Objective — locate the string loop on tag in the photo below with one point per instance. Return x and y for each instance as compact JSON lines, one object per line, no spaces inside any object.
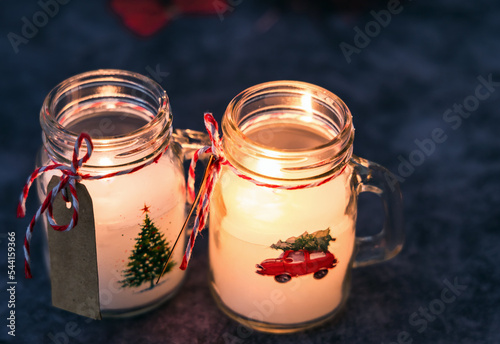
{"x":70,"y":175}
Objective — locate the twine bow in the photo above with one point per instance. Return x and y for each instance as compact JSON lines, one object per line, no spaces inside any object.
{"x":69,"y":177}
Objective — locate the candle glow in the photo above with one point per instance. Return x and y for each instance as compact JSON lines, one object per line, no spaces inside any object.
{"x":246,"y":219}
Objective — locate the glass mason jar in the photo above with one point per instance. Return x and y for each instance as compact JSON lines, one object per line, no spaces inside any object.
{"x":280,"y":258}
{"x":129,"y":119}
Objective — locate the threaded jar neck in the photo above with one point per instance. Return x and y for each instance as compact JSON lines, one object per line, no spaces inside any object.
{"x":127,"y":115}
{"x":288,"y":130}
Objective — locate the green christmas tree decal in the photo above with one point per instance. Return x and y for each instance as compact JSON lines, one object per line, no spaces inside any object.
{"x":150,"y":253}
{"x":317,"y":241}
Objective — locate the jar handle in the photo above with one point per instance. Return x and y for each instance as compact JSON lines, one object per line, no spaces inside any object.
{"x":371,"y":177}
{"x":190,"y":141}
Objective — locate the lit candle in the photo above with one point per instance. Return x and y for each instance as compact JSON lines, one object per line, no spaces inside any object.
{"x":247,"y":219}
{"x":139,"y":211}
{"x":282,"y":216}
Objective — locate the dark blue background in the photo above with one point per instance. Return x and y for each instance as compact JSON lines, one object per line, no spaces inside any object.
{"x":398,"y":88}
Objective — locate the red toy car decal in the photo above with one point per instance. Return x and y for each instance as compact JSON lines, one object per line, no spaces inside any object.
{"x":303,"y":255}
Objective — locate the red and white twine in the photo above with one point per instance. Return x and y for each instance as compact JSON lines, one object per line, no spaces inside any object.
{"x":213,"y":174}
{"x":70,"y":175}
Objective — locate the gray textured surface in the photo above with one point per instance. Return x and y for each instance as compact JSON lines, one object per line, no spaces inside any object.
{"x":398,"y":88}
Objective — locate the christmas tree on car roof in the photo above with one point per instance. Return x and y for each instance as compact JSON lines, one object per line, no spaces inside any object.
{"x":317,"y":241}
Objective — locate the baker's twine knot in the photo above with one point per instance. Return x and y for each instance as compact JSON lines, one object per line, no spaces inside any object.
{"x":212,"y":175}
{"x":70,"y":175}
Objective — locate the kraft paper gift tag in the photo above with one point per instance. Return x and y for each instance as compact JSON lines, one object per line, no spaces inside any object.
{"x":73,"y":257}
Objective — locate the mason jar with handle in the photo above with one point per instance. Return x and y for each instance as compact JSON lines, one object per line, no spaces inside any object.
{"x":283,"y":213}
{"x":134,"y":177}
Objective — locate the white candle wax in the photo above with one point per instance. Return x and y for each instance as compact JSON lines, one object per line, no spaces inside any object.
{"x":119,"y":218}
{"x":137,"y":215}
{"x":247,"y":219}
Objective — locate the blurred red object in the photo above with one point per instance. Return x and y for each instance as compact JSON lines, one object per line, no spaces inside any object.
{"x":146,"y":17}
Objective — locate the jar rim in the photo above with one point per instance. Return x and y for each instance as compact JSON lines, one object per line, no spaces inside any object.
{"x":332,"y":154}
{"x":154,"y":134}
{"x":289,"y":86}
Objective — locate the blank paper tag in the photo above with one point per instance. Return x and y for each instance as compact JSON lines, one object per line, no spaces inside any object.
{"x":73,"y":257}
